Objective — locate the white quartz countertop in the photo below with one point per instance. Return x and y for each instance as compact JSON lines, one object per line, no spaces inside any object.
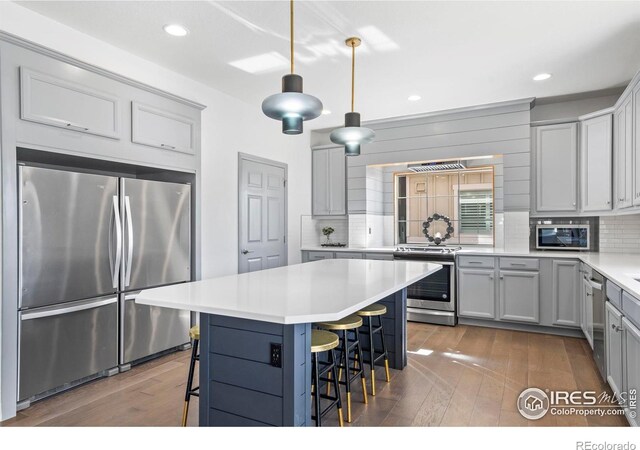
{"x":621,"y":268}
{"x":300,"y":293}
{"x":389,"y":249}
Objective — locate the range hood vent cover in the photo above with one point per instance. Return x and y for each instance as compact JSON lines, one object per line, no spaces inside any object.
{"x":434,"y":167}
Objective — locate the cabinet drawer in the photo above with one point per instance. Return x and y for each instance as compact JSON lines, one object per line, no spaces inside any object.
{"x":159,"y":128}
{"x":476,"y":261}
{"x":348,"y":255}
{"x":614,"y":294}
{"x":631,"y":308}
{"x":315,"y":256}
{"x":65,"y":104}
{"x":380,"y":256}
{"x":520,"y":263}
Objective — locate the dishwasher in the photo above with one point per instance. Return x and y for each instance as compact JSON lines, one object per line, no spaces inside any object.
{"x":596,"y":281}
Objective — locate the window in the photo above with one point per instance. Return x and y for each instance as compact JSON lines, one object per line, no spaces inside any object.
{"x":463,"y":194}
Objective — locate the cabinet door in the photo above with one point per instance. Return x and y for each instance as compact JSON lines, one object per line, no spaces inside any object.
{"x":476,"y":293}
{"x":556,"y":167}
{"x":631,"y":367}
{"x":320,"y":182}
{"x":595,"y":163}
{"x":159,"y":128}
{"x":623,"y":151}
{"x":349,"y":255}
{"x":614,"y":349}
{"x":566,"y":290}
{"x":337,"y":182}
{"x":317,"y":256}
{"x":587,"y":304}
{"x":520,"y":296}
{"x":69,"y":105}
{"x":636,"y":145}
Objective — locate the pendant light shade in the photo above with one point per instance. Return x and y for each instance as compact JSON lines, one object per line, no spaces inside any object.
{"x":352,"y":135}
{"x":291,"y":106}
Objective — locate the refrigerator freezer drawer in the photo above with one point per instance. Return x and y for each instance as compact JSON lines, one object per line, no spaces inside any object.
{"x":60,"y":345}
{"x":148,"y":330}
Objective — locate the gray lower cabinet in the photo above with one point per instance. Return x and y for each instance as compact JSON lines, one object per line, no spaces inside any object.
{"x":595,"y":163}
{"x":623,"y":153}
{"x":614,"y":347}
{"x":329,"y":182}
{"x":566,"y":290}
{"x":519,"y":297}
{"x":631,"y":366}
{"x":556,"y":165}
{"x":587,"y":305}
{"x":65,"y":103}
{"x":476,"y":293}
{"x":349,"y":255}
{"x":162,"y":128}
{"x":317,"y":256}
{"x":310,"y":255}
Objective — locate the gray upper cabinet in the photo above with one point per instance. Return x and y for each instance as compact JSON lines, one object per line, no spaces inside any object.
{"x":566,"y":293}
{"x":520,"y":296}
{"x":476,"y":293}
{"x":161,"y":128}
{"x":329,"y":182}
{"x":623,"y":153}
{"x":595,"y":163}
{"x":556,"y":162}
{"x":66,"y":104}
{"x":636,"y":145}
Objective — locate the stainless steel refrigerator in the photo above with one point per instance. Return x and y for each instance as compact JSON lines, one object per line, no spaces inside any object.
{"x":88,"y":243}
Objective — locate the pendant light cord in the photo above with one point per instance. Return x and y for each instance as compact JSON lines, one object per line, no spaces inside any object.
{"x":353,"y":71}
{"x":291,"y":18}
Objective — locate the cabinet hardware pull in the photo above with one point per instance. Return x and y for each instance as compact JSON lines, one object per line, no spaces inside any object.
{"x":79,"y":127}
{"x":475,"y":262}
{"x":168,"y":146}
{"x":518,"y":264}
{"x":616,"y":327}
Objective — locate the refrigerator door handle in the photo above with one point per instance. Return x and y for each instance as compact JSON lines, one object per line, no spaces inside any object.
{"x":129,"y":223}
{"x":131,"y":295}
{"x":28,"y":315}
{"x":118,"y":258}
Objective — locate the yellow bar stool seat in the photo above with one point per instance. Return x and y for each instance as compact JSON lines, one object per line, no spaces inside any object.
{"x":352,"y":366}
{"x":324,"y":341}
{"x":194,"y":334}
{"x":368,"y":313}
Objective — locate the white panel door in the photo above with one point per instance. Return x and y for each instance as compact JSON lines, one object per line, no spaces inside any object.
{"x":262,"y":216}
{"x":595,"y":163}
{"x":556,"y":167}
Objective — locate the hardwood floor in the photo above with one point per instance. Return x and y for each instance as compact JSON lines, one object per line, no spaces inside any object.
{"x":460,"y":376}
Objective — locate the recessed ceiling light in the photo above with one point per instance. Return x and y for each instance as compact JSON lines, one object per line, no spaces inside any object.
{"x":414,"y":98}
{"x":542,"y":77}
{"x":325,"y":112}
{"x":175,"y":30}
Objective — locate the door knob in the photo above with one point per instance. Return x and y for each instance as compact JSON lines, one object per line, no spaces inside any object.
{"x":245,"y":251}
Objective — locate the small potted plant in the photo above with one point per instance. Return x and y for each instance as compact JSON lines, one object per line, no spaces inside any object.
{"x":327,"y":231}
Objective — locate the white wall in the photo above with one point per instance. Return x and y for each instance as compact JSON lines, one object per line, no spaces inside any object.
{"x":229,"y":126}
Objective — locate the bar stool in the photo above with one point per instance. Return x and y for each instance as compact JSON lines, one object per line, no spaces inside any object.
{"x":347,"y":347}
{"x":194,"y":334}
{"x":368,"y":313}
{"x":324,"y":341}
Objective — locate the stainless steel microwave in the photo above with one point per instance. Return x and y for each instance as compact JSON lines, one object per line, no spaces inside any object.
{"x":563,"y":237}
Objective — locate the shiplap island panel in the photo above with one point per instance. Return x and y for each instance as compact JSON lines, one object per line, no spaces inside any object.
{"x":242,"y":318}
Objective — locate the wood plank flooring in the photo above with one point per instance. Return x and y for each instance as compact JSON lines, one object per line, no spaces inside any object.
{"x":457,"y":376}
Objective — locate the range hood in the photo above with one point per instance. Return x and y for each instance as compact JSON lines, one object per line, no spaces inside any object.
{"x":436,"y":166}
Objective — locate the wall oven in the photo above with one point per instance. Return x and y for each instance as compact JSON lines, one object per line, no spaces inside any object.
{"x":432,"y":299}
{"x":563,"y":237}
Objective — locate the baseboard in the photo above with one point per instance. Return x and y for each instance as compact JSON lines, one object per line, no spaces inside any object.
{"x":569,"y":332}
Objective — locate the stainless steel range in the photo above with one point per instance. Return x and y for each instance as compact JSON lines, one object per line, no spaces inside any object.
{"x":432,"y":299}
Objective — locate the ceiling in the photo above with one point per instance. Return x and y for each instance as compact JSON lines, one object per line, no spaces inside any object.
{"x":452,"y":54}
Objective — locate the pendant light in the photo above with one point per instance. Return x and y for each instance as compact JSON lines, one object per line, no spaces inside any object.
{"x":352,"y":135}
{"x":292,"y":106}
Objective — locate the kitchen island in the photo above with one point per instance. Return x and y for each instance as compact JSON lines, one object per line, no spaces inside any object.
{"x":255,"y":331}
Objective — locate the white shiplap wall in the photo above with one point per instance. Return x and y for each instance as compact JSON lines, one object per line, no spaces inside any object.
{"x":620,"y":234}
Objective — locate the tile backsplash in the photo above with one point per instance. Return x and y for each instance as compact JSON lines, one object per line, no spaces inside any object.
{"x":311,"y":230}
{"x":620,"y":234}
